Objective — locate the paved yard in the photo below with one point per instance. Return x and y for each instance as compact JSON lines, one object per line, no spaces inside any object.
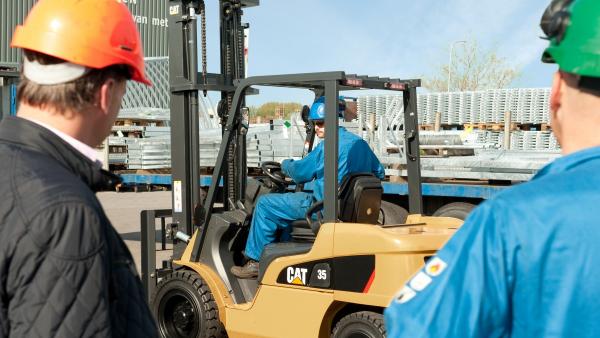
{"x":123,"y":210}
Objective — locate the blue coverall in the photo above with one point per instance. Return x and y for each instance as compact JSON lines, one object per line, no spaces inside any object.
{"x":278,"y":211}
{"x":524,"y":264}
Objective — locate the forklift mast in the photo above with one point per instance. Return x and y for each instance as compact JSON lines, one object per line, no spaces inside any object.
{"x":232,"y":67}
{"x":185,"y":84}
{"x":189,"y":212}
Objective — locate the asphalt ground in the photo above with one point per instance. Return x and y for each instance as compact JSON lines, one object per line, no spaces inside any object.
{"x":123,"y":209}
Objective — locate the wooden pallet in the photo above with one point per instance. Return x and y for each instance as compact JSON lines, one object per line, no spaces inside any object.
{"x":431,"y":127}
{"x":535,"y":126}
{"x":162,"y":171}
{"x":490,"y":126}
{"x":139,"y":122}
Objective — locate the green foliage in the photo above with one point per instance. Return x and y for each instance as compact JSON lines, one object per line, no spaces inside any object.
{"x":275,"y":110}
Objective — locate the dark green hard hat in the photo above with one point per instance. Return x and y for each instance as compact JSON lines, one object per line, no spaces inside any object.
{"x":573,"y":28}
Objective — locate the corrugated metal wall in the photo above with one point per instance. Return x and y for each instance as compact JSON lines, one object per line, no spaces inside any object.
{"x":12,"y":13}
{"x":150,"y":15}
{"x":151,"y":19}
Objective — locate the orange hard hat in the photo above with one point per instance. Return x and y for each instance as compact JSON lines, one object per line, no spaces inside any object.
{"x":90,"y":33}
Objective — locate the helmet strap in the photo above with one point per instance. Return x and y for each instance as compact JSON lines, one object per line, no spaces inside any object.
{"x":54,"y":74}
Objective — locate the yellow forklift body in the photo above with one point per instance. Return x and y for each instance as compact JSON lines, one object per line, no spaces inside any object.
{"x":295,"y":310}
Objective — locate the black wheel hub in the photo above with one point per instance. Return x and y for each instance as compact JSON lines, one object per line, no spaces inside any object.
{"x":183,"y":317}
{"x":178,"y":315}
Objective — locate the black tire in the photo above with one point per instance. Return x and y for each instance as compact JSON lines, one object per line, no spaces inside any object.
{"x":458,"y":210}
{"x":364,"y":324}
{"x":183,"y":306}
{"x":392,"y":213}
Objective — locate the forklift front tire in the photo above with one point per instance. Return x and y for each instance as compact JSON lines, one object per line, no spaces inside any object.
{"x":360,"y":324}
{"x":183,"y":306}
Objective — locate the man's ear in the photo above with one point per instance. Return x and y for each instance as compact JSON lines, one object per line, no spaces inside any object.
{"x":556,"y":92}
{"x":556,"y":102}
{"x":106,"y":93}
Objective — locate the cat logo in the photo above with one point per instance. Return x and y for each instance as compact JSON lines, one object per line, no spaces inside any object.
{"x":174,"y":10}
{"x":296,"y":276}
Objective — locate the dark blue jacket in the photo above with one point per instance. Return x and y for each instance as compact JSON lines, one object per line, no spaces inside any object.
{"x":354,"y":156}
{"x":64,"y":270}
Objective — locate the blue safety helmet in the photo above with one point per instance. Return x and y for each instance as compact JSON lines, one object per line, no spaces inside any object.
{"x":317,"y":110}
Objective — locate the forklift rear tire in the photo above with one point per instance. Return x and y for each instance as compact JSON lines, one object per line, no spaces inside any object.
{"x":183,"y":306}
{"x":392,"y":213}
{"x":365,"y":324}
{"x":458,"y":210}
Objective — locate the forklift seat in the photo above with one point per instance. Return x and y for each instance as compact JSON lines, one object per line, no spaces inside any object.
{"x":360,"y":198}
{"x":359,"y":202}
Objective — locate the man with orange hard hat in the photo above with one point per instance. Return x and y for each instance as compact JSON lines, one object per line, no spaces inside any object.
{"x":64,"y":270}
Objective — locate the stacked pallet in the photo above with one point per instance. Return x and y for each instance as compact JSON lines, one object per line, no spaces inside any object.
{"x":520,"y":140}
{"x":380,"y":117}
{"x":140,"y":139}
{"x":273,"y":141}
{"x":526,"y":106}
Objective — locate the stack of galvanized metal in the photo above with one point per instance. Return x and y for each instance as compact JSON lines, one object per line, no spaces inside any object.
{"x":384,"y":113}
{"x":144,"y":142}
{"x":265,"y":142}
{"x":526,"y":105}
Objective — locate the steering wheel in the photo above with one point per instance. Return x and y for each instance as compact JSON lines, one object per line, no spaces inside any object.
{"x":273,"y":171}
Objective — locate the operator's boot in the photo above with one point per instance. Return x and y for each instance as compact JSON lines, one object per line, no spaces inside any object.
{"x":249,"y":270}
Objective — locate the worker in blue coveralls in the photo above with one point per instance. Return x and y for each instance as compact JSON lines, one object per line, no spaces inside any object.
{"x":275,"y":212}
{"x":527,"y":262}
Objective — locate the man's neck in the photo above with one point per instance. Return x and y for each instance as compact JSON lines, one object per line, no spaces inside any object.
{"x":68,"y":122}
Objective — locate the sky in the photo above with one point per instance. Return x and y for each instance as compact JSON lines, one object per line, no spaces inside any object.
{"x":391,"y":38}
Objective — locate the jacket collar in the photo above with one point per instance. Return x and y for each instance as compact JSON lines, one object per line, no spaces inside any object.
{"x":35,"y":137}
{"x":570,"y":161}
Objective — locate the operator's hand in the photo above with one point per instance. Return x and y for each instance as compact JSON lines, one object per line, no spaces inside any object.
{"x":285,"y":164}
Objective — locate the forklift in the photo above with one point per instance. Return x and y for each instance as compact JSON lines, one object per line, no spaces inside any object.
{"x":343,"y":265}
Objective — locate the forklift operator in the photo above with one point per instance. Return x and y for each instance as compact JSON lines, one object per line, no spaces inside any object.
{"x":276,"y":212}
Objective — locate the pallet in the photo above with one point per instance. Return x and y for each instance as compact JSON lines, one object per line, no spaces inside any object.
{"x":140,"y":187}
{"x":162,"y":171}
{"x":535,"y":127}
{"x":491,"y":126}
{"x":139,"y":122}
{"x":117,"y":149}
{"x":431,"y":127}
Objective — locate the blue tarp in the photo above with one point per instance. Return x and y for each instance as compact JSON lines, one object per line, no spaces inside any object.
{"x":13,"y":100}
{"x":429,"y":189}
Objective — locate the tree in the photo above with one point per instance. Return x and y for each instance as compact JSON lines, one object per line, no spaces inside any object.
{"x":275,"y":110}
{"x":472,"y":69}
